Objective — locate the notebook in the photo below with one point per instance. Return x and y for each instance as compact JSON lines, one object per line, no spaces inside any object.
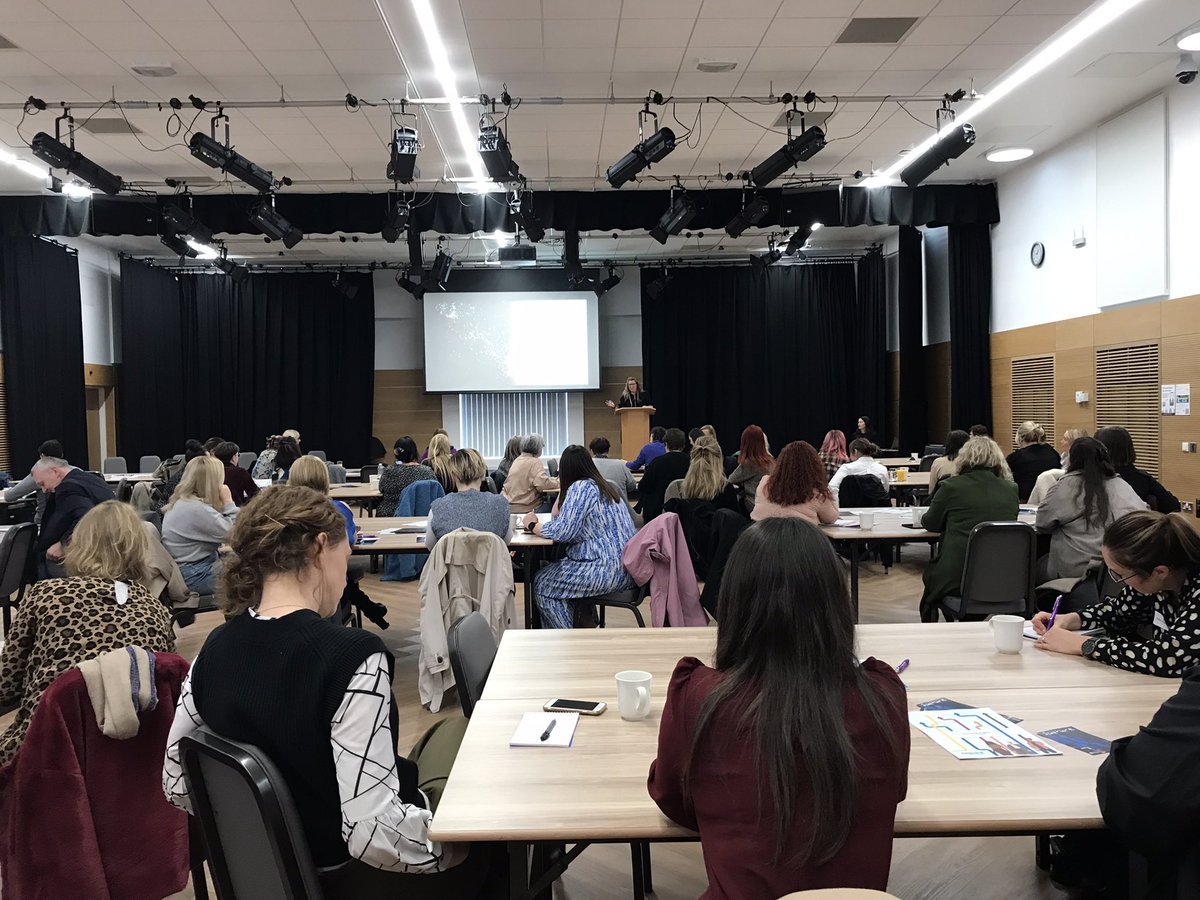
{"x":1033,"y":635}
{"x":534,"y":724}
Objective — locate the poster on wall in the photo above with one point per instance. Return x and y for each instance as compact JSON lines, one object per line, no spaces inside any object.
{"x":1168,"y":399}
{"x":1183,"y":399}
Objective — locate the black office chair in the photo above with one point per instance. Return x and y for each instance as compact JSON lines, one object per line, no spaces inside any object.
{"x":927,"y":462}
{"x":999,"y":573}
{"x":630,"y":599}
{"x":498,"y":479}
{"x":365,"y":473}
{"x":255,"y":842}
{"x":319,"y":454}
{"x":858,"y":491}
{"x":934,"y":450}
{"x":472,"y":651}
{"x":185,"y":616}
{"x":16,"y":548}
{"x":124,"y":492}
{"x":552,"y":467}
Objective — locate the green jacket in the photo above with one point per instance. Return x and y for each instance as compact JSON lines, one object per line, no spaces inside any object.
{"x":961,"y":503}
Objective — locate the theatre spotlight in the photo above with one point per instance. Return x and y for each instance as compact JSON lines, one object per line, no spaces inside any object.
{"x":55,"y":153}
{"x":213,"y":153}
{"x":402,"y":166}
{"x":397,"y":221}
{"x":233,"y":270}
{"x":797,"y":150}
{"x":751,"y":214}
{"x":772,"y":256}
{"x":183,"y":222}
{"x":797,"y":241}
{"x":497,"y":155}
{"x":344,"y":287}
{"x":653,"y":149}
{"x":267,"y":219}
{"x":655,"y":288}
{"x":439,"y":272}
{"x":526,"y":219}
{"x":179,"y":246}
{"x":952,"y":146}
{"x":681,"y":212}
{"x":610,"y":282}
{"x":413,"y":287}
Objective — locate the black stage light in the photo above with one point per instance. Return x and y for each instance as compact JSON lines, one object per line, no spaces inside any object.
{"x":655,"y":288}
{"x":178,"y":246}
{"x":651,"y":150}
{"x":683,"y":209}
{"x":413,"y":287}
{"x":574,"y":268}
{"x":439,"y":272}
{"x":183,"y":222}
{"x":213,"y":153}
{"x":232,"y":269}
{"x":952,"y":146}
{"x":769,"y":258}
{"x":402,"y":166}
{"x":397,"y":221}
{"x":798,"y":149}
{"x":55,"y":153}
{"x":608,"y":283}
{"x":526,"y":219}
{"x":497,"y":155}
{"x":751,"y":214}
{"x":797,"y":241}
{"x":344,"y":287}
{"x":267,"y":219}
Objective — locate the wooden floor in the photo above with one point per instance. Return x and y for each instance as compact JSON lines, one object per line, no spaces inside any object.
{"x":922,"y":869}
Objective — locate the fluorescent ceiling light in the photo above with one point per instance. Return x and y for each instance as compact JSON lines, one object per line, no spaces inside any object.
{"x":31,"y":169}
{"x":203,"y":251}
{"x":1009,"y":154}
{"x":1085,"y":27}
{"x":1190,"y":42}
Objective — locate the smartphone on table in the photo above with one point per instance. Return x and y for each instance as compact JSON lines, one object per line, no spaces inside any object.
{"x":583,"y":707}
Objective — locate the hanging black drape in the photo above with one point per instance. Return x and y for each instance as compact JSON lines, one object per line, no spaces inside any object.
{"x":970,"y":256}
{"x":912,"y":363}
{"x":42,"y":327}
{"x":731,"y":347}
{"x":869,"y":372}
{"x":277,"y":351}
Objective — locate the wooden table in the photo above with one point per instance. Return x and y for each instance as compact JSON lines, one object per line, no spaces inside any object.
{"x":596,"y":790}
{"x":914,"y":480}
{"x":113,"y":478}
{"x":895,"y":462}
{"x":351,"y":491}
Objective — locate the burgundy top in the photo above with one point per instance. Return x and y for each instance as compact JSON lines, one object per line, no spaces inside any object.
{"x":240,"y":483}
{"x":736,"y":832}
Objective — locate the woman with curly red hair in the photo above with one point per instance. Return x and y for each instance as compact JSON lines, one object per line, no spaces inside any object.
{"x":796,"y":487}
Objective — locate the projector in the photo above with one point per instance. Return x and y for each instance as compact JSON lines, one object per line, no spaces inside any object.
{"x":517,"y":255}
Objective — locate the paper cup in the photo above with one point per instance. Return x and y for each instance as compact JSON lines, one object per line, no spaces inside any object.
{"x":866,"y":520}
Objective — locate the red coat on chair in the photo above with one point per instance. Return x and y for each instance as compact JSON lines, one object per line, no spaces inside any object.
{"x":83,"y":815}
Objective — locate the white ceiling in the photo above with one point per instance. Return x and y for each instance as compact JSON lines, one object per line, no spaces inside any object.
{"x":260,"y":50}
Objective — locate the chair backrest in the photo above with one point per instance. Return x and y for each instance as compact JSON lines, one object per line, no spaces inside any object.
{"x":472,"y":651}
{"x":862,"y":490}
{"x":337,"y":474}
{"x":927,"y":462}
{"x":365,"y":473}
{"x":114,"y":465}
{"x":16,"y":544}
{"x":319,"y":454}
{"x":256,"y":844}
{"x":934,"y":450}
{"x":246,"y":458}
{"x":149,"y":463}
{"x":552,"y":466}
{"x":124,"y":492}
{"x":1001,"y":566}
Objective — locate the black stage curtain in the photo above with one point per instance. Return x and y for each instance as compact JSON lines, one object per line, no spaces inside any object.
{"x":970,"y":254}
{"x":928,"y":204}
{"x":277,"y":351}
{"x":870,"y":348}
{"x":731,"y":346}
{"x":912,"y":362}
{"x":41,"y":321}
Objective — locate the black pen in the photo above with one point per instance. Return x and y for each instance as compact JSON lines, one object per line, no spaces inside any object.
{"x":549,"y":728}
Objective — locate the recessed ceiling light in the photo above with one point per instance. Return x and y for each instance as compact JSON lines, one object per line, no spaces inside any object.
{"x":716,"y":65}
{"x":1190,"y":42}
{"x":1009,"y":154}
{"x":154,"y":71}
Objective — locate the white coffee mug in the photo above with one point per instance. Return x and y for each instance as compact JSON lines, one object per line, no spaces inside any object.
{"x":633,"y":694}
{"x":918,"y":513}
{"x":1008,"y":633}
{"x":866,"y":520}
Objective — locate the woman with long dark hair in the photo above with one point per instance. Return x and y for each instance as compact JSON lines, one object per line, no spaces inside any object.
{"x":595,"y":525}
{"x":863,"y":430}
{"x":788,"y":755}
{"x":1119,"y":443}
{"x":1077,"y":509}
{"x":754,"y":463}
{"x":797,"y":488}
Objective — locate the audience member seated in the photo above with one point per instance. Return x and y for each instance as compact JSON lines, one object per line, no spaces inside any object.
{"x":240,"y":483}
{"x":692,"y":436}
{"x":796,"y":488}
{"x":946,"y":466}
{"x":979,"y":431}
{"x":286,"y":453}
{"x":101,"y":605}
{"x":161,"y":494}
{"x":1077,"y":509}
{"x":705,"y":479}
{"x":264,"y":466}
{"x":653,"y":450}
{"x":789,"y":755}
{"x":980,"y":491}
{"x":197,"y":521}
{"x":376,"y":452}
{"x":660,"y":472}
{"x":833,"y":452}
{"x":527,"y":481}
{"x":292,"y":434}
{"x":212,"y":444}
{"x":28,"y":484}
{"x":511,"y":451}
{"x":614,"y":471}
{"x":864,"y":431}
{"x":467,"y":506}
{"x":437,"y":456}
{"x":173,"y":465}
{"x":754,"y":464}
{"x":1032,"y":457}
{"x":429,"y":447}
{"x":1153,"y":625}
{"x":862,"y":462}
{"x":407,"y":470}
{"x":73,"y":492}
{"x":1122,"y":455}
{"x":1047,"y":479}
{"x":595,"y":526}
{"x":319,"y":705}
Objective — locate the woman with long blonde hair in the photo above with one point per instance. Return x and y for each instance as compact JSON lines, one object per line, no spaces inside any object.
{"x":197,"y":521}
{"x":439,"y":460}
{"x":705,"y":479}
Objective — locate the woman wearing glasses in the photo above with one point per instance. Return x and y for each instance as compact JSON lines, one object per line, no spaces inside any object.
{"x":1153,"y":626}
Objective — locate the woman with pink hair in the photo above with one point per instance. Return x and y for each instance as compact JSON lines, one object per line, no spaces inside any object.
{"x":833,"y":451}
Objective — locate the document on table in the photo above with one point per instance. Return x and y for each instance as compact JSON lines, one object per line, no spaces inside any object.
{"x":1033,"y":635}
{"x":545,"y":729}
{"x":846,"y":523}
{"x":978,"y":734}
{"x":407,"y":528}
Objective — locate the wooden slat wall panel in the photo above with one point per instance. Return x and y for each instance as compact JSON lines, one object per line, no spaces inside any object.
{"x":1127,"y":394}
{"x":1001,"y":403}
{"x":1032,"y":393}
{"x":403,"y":407}
{"x":1074,"y":370}
{"x":1180,"y":360}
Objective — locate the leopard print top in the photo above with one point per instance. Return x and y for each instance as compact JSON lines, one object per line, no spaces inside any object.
{"x":59,"y":624}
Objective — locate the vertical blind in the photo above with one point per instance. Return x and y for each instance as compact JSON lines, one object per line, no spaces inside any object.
{"x":487,"y":421}
{"x":1128,"y":394}
{"x":1033,"y":394}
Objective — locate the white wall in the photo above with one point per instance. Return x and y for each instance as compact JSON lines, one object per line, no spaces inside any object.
{"x":99,"y":292}
{"x":1052,"y":198}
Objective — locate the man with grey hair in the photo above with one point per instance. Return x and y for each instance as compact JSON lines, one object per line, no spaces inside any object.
{"x":70,"y":492}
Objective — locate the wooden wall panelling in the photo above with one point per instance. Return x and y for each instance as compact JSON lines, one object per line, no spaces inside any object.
{"x":1071,"y":334}
{"x":1181,"y":316}
{"x":92,"y":403}
{"x":1074,"y":370}
{"x":110,"y":423}
{"x":1001,"y":402}
{"x":598,"y":419}
{"x":937,"y":392}
{"x":97,"y":375}
{"x":1030,"y":341}
{"x":1180,"y":362}
{"x":1128,"y":325}
{"x":403,"y":407}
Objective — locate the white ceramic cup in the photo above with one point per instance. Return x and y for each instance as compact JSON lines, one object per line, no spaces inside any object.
{"x":633,"y":694}
{"x":918,"y":513}
{"x":866,"y":520}
{"x":1008,"y":633}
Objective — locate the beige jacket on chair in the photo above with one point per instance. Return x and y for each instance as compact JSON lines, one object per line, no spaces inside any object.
{"x":467,"y":571}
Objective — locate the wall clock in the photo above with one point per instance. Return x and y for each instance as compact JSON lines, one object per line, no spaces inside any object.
{"x":1037,"y":254}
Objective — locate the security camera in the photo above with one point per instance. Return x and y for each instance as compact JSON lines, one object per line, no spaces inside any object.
{"x":1185,"y":72}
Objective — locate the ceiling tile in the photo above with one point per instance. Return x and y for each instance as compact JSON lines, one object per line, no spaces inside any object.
{"x":276,"y":35}
{"x":256,"y":11}
{"x":226,"y":63}
{"x":695,"y":54}
{"x":817,"y":8}
{"x":972,"y":7}
{"x":949,"y":30}
{"x":705,"y":84}
{"x":932,"y":57}
{"x":24,"y":11}
{"x":296,"y":62}
{"x":91,"y":62}
{"x":342,"y":11}
{"x":122,"y":36}
{"x":109,"y":10}
{"x":204,"y":34}
{"x":579,"y":60}
{"x":44,"y":36}
{"x":510,"y":34}
{"x":647,"y":59}
{"x":1023,"y":29}
{"x":365,"y":62}
{"x":245,"y":86}
{"x":729,"y":32}
{"x":887,"y":81}
{"x":1050,"y":7}
{"x":652,"y":33}
{"x":501,"y":9}
{"x":833,"y":82}
{"x":753,"y":9}
{"x":803,"y":32}
{"x":894,"y":8}
{"x":784,"y":59}
{"x":638,"y":84}
{"x":845,"y":57}
{"x":352,"y":36}
{"x":683,"y":11}
{"x":760,"y":84}
{"x":292,"y":125}
{"x":579,"y":33}
{"x":992,"y":56}
{"x":581,"y":9}
{"x":18,"y":62}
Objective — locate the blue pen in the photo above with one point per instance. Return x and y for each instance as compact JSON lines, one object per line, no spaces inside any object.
{"x":1054,"y":612}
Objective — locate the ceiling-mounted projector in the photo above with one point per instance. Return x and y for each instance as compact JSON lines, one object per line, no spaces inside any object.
{"x":517,"y":255}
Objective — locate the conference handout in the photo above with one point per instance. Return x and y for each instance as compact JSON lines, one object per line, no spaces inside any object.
{"x":978,"y":733}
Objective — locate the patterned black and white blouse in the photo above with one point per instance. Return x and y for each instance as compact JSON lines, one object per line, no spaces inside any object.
{"x":1157,"y":634}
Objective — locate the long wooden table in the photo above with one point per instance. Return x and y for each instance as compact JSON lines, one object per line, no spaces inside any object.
{"x":596,"y":790}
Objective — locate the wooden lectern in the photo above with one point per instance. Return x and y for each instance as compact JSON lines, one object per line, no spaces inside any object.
{"x":635,"y":429}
